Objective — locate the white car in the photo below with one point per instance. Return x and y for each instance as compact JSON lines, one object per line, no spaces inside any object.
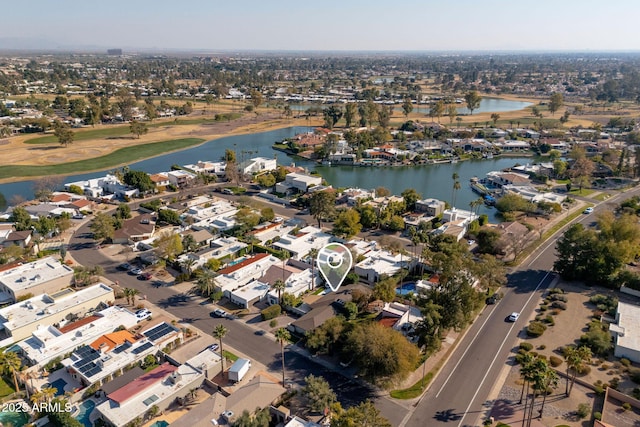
{"x":143,"y":314}
{"x":513,"y":316}
{"x":587,"y":211}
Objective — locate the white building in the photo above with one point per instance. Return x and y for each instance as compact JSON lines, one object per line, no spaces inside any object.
{"x":209,"y":168}
{"x":248,"y":294}
{"x":297,"y":182}
{"x":296,"y":284}
{"x":243,"y":272}
{"x":307,"y":238}
{"x":19,"y":320}
{"x":626,"y":332}
{"x":48,"y":342}
{"x":533,"y":195}
{"x":379,"y":262}
{"x":180,"y":178}
{"x":258,"y":165}
{"x":108,"y":184}
{"x":45,"y":275}
{"x":454,"y":214}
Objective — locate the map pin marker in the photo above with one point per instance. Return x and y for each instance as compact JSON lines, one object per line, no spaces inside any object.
{"x":334,"y":262}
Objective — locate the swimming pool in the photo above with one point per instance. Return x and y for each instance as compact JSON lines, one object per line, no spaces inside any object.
{"x":406,"y":288}
{"x":86,"y":408}
{"x":59,"y":385}
{"x":236,"y":261}
{"x":161,"y":423}
{"x":15,"y":419}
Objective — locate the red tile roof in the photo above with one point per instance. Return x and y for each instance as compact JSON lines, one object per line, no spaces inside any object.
{"x":242,"y":264}
{"x":61,"y":198}
{"x":142,"y":383}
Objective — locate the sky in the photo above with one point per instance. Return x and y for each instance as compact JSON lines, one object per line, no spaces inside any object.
{"x":307,"y":25}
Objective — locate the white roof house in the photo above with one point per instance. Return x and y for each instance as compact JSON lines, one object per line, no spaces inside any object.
{"x":379,"y":262}
{"x":242,"y":272}
{"x":108,"y":184}
{"x":180,"y":178}
{"x":258,"y":164}
{"x":532,"y":194}
{"x":21,"y":319}
{"x":298,"y":181}
{"x":626,"y":332}
{"x":296,"y":284}
{"x":211,"y":168}
{"x":41,"y":276}
{"x":48,"y":342}
{"x":307,"y":238}
{"x":249,"y":293}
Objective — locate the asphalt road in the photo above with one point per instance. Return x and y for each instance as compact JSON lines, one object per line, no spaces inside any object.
{"x":458,"y":396}
{"x":241,"y":337}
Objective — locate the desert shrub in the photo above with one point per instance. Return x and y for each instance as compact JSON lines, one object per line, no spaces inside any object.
{"x":626,"y":406}
{"x":614,"y":383}
{"x":539,"y":318}
{"x":634,"y":374}
{"x":583,"y":410}
{"x":544,"y":307}
{"x":584,"y":369}
{"x":273,"y":323}
{"x":555,"y":312}
{"x":271,"y":312}
{"x":549,"y":320}
{"x":559,"y":304}
{"x":599,"y":390}
{"x":625,"y":362}
{"x":555,"y":361}
{"x":542,"y":347}
{"x":558,"y":297}
{"x":527,"y":346}
{"x":598,"y":339}
{"x":536,"y":329}
{"x":605,"y":303}
{"x":556,"y":291}
{"x":604,"y":367}
{"x":597,"y":415}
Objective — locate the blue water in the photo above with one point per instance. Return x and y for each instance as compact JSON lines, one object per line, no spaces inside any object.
{"x":236,"y":261}
{"x":161,"y":423}
{"x":86,"y":408}
{"x":15,"y":419}
{"x":59,"y":385}
{"x":406,"y":289}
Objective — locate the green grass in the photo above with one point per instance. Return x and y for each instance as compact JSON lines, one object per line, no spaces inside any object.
{"x":5,"y":388}
{"x":122,"y":156}
{"x":151,"y":367}
{"x":601,"y":197}
{"x":583,"y":192}
{"x":413,"y":391}
{"x":229,"y":356}
{"x":318,"y":291}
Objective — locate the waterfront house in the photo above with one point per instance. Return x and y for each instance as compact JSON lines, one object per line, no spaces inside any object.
{"x":258,"y":165}
{"x":99,"y":187}
{"x":160,"y":180}
{"x":209,"y":168}
{"x":382,"y":262}
{"x":430,"y":207}
{"x":499,"y":179}
{"x":301,"y":243}
{"x":297,"y":182}
{"x":181,"y":178}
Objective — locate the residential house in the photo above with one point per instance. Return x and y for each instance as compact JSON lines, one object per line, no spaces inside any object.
{"x":351,"y":196}
{"x":382,"y":262}
{"x":141,"y":227}
{"x":160,"y":180}
{"x":431,"y":207}
{"x":242,"y":272}
{"x":258,"y":165}
{"x":18,"y":238}
{"x":499,"y":179}
{"x":181,"y":178}
{"x":297,"y":182}
{"x":513,"y":237}
{"x":209,"y":168}
{"x":99,"y":187}
{"x":300,"y":244}
{"x":45,"y":275}
{"x":400,"y":317}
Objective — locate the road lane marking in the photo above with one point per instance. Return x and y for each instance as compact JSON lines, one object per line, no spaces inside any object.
{"x":499,"y":349}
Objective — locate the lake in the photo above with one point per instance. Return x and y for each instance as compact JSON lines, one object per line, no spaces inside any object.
{"x":433,"y":181}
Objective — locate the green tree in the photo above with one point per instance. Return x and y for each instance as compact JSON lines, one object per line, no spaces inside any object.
{"x":368,"y":216}
{"x":123,"y":211}
{"x":267,"y":214}
{"x":10,"y":363}
{"x":20,"y":218}
{"x":472,"y":98}
{"x":347,"y":224}
{"x":138,"y":128}
{"x":332,"y":115}
{"x":385,"y":289}
{"x":63,"y":132}
{"x":364,"y":414}
{"x":279,"y":286}
{"x":282,"y":336}
{"x":350,"y":110}
{"x":138,"y":179}
{"x":487,"y":239}
{"x":219,"y":332}
{"x":495,"y":117}
{"x":102,"y":226}
{"x":206,"y":282}
{"x":324,"y":337}
{"x":168,"y":245}
{"x":575,"y":358}
{"x":410,"y":196}
{"x":266,"y":180}
{"x":318,"y":393}
{"x":322,"y":205}
{"x":382,"y":355}
{"x":555,"y":102}
{"x":169,"y":216}
{"x":456,"y":187}
{"x":452,"y":112}
{"x":407,"y":107}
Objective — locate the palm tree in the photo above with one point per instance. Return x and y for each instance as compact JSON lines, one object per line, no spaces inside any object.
{"x":279,"y":286}
{"x":49,"y":393}
{"x":206,"y":282}
{"x":475,"y":205}
{"x":282,"y":336}
{"x":574,"y":358}
{"x":550,"y":380}
{"x":456,"y":186}
{"x":220,"y":332}
{"x":538,"y":380}
{"x":525,"y":369}
{"x":130,"y":295}
{"x":10,"y":362}
{"x":313,"y":253}
{"x":187,"y":265}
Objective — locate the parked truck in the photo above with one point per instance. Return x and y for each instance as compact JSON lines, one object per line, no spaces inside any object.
{"x":239,"y":369}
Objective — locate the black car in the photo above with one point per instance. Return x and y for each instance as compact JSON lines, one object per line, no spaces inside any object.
{"x":493,"y":299}
{"x":124,"y":266}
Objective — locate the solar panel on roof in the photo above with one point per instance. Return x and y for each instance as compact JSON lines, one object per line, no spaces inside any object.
{"x":159,"y":331}
{"x":122,"y":347}
{"x":142,"y":348}
{"x":93,"y":371}
{"x":86,"y":367}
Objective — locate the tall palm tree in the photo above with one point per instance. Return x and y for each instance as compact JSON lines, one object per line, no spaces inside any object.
{"x":206,"y":282}
{"x":313,"y":253}
{"x":279,"y":286}
{"x":454,"y":177}
{"x":130,"y":295}
{"x":49,"y":393}
{"x":550,"y":381}
{"x":220,"y":332}
{"x":10,"y":362}
{"x":282,"y":336}
{"x":538,"y":383}
{"x":525,"y":369}
{"x":575,"y":358}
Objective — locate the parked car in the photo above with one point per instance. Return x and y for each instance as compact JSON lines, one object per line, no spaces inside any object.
{"x":78,"y":216}
{"x":493,"y":299}
{"x":124,"y":266}
{"x":513,"y":316}
{"x":145,"y":276}
{"x":143,"y":314}
{"x":135,"y":271}
{"x":218,"y":312}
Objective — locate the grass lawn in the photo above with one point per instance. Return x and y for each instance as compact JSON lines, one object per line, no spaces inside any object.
{"x":122,"y":156}
{"x":413,"y":391}
{"x":583,"y":192}
{"x":230,"y":356}
{"x":601,"y":197}
{"x":5,"y":388}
